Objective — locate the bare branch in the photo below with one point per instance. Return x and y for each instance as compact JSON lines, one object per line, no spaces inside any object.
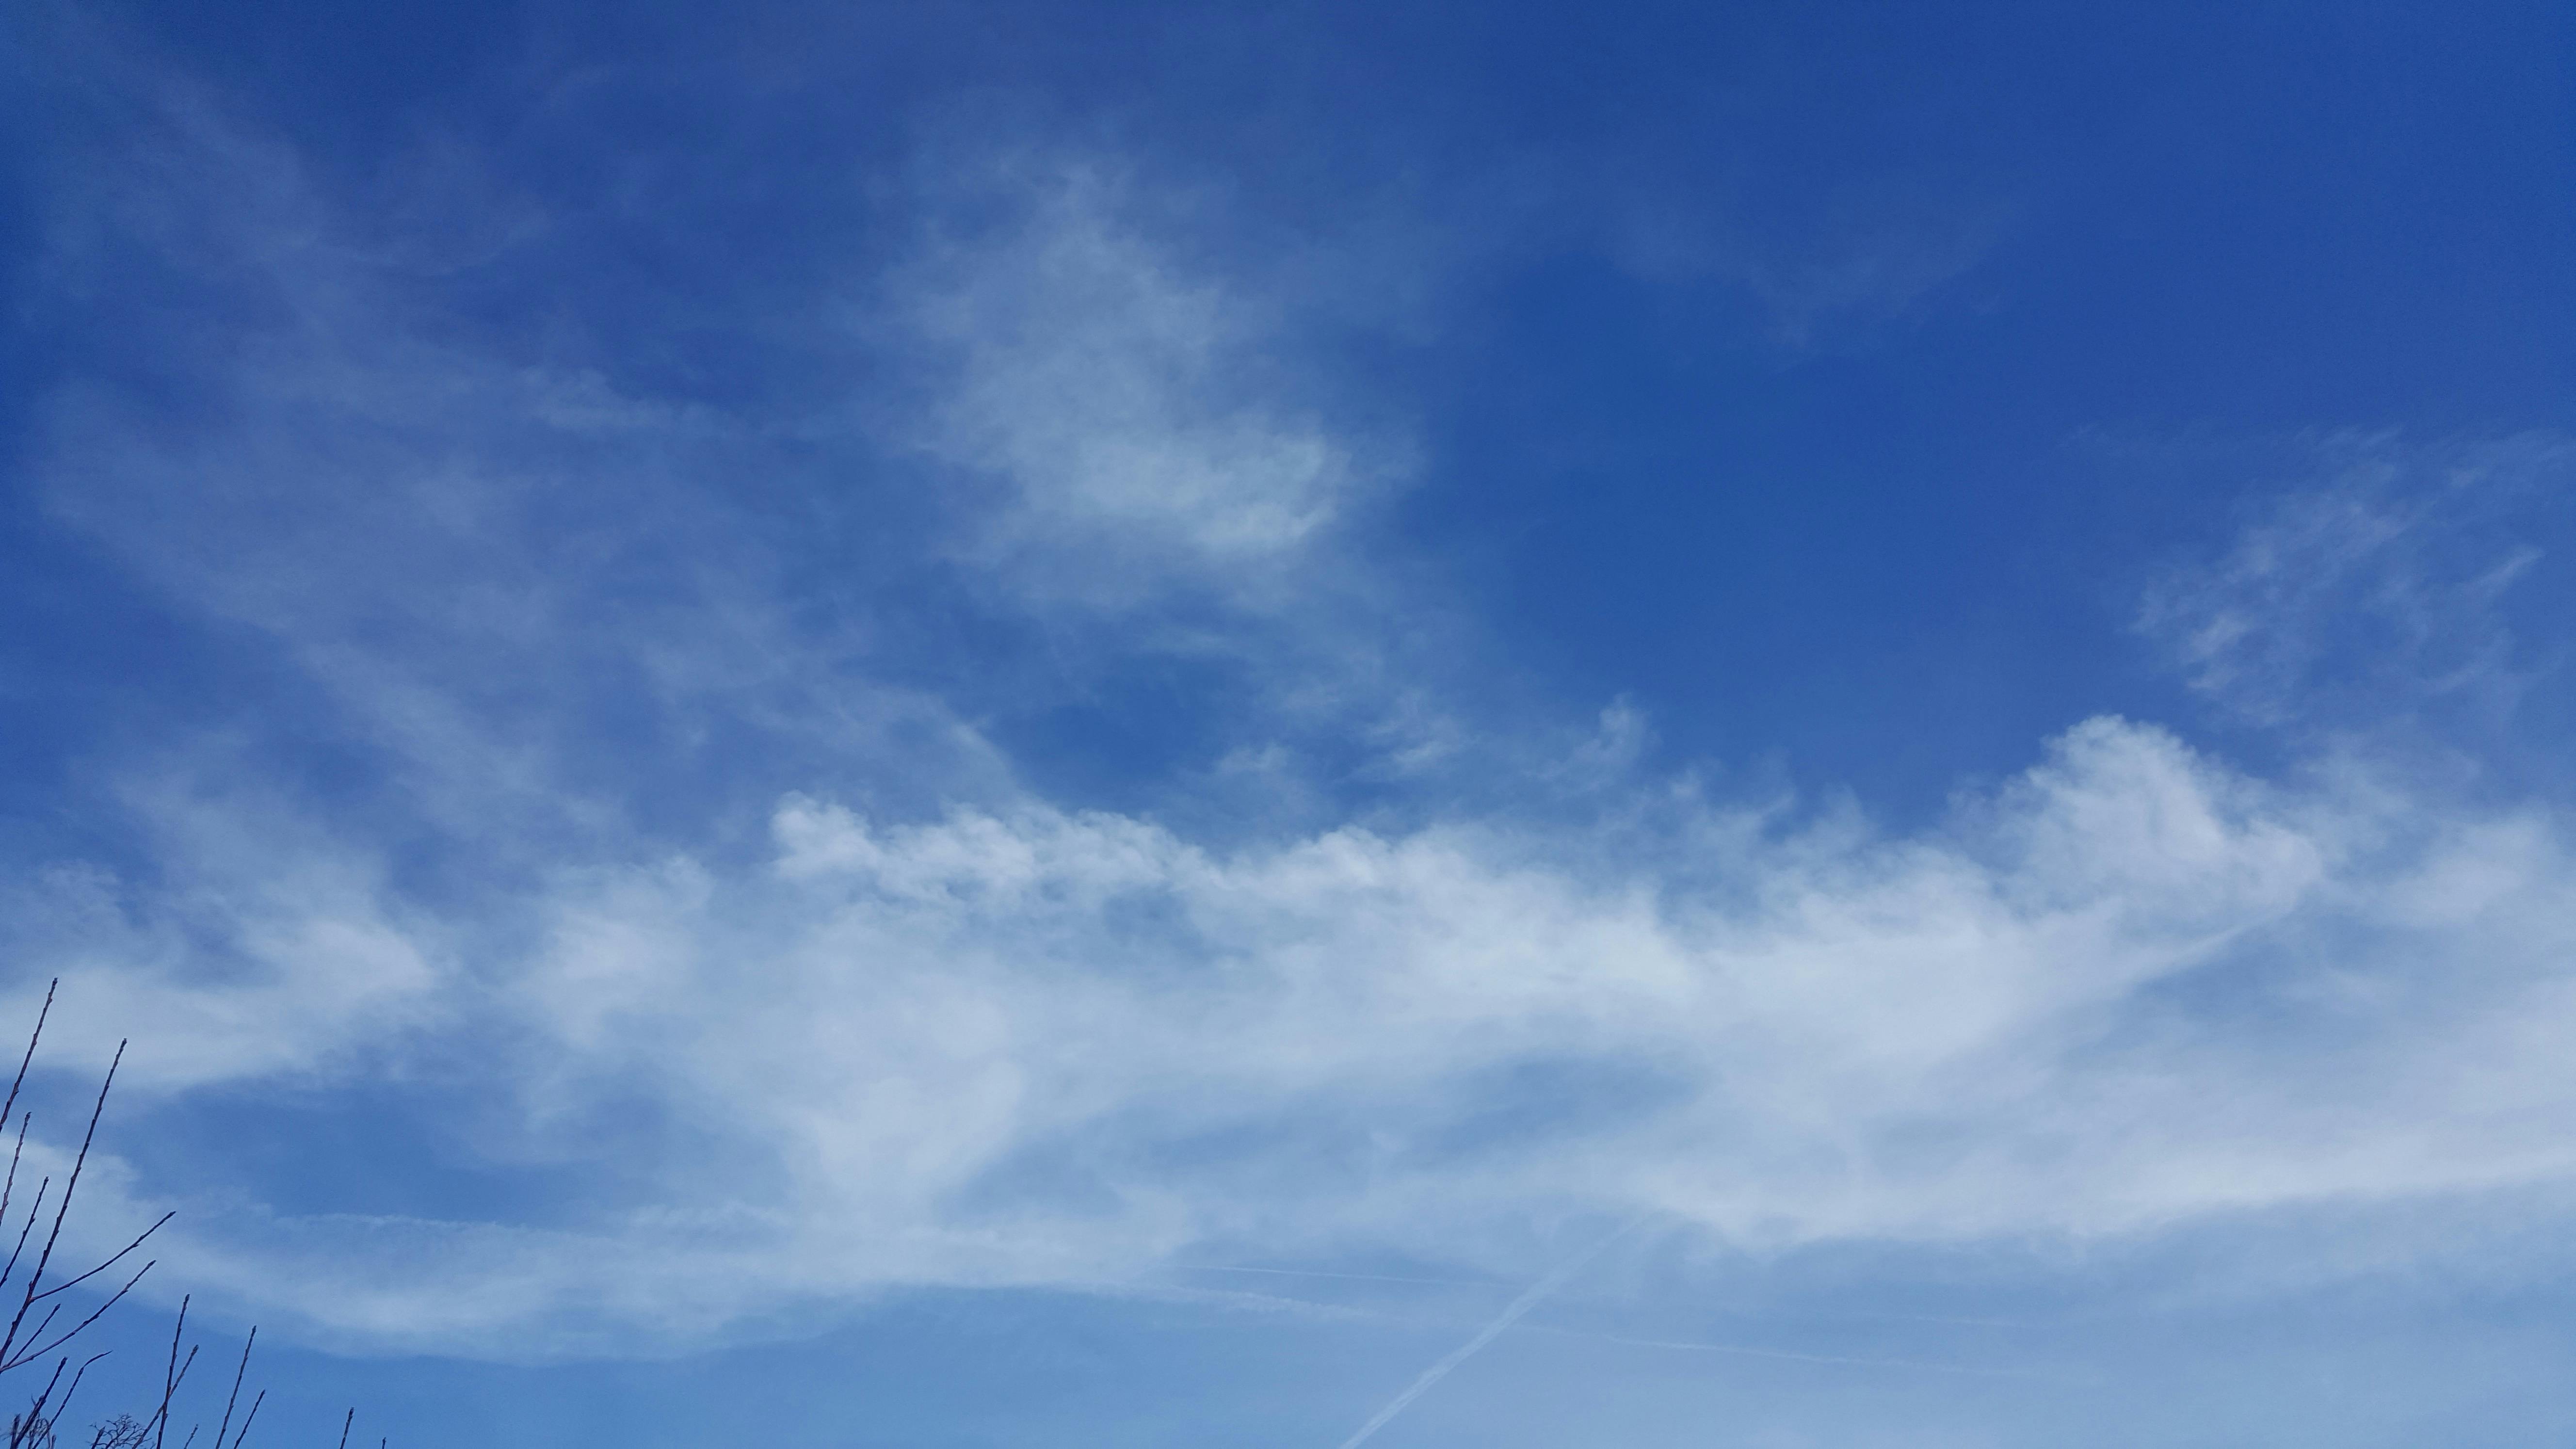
{"x":10,"y":1186}
{"x":110,"y":1263}
{"x":256,"y":1401}
{"x":11,"y":1105}
{"x":6,"y":1365}
{"x":81,"y":1373}
{"x":63,"y":1208}
{"x":32,"y":1038}
{"x":235,"y":1396}
{"x":30,"y":1427}
{"x":171,"y":1375}
{"x":33,"y":1208}
{"x":21,"y":1345}
{"x":33,"y":1354}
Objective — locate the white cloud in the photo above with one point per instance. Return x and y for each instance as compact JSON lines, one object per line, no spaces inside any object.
{"x":2127,"y":990}
{"x":1131,"y":405}
{"x":2384,"y":579}
{"x":928,"y":1026}
{"x":262,"y":950}
{"x":1878,"y":250}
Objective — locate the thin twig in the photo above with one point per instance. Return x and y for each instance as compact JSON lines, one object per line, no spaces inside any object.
{"x":170,"y":1376}
{"x":95,"y":1314}
{"x":235,"y":1396}
{"x":33,"y":1208}
{"x":11,"y":1105}
{"x":32,"y":1037}
{"x":33,"y":1354}
{"x":63,"y":1208}
{"x":11,"y":1185}
{"x":258,"y":1399}
{"x":110,"y":1263}
{"x":24,"y":1430}
{"x":82,"y":1372}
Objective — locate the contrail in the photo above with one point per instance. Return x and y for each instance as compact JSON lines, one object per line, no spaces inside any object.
{"x":1835,"y":1358}
{"x":1491,"y":1331}
{"x":1360,"y":1277}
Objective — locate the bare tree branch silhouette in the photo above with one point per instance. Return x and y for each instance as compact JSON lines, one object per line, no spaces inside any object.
{"x":24,"y":1343}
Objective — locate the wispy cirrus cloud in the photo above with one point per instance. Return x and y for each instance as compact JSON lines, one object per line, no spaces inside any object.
{"x":2132,"y":990}
{"x":2383,"y":576}
{"x":1133,"y":411}
{"x":647,"y":828}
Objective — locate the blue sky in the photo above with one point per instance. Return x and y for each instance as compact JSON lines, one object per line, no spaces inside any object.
{"x":995,"y":725}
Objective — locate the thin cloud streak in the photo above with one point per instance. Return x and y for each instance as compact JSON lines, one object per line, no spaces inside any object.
{"x":1511,"y":1314}
{"x":1854,"y":1361}
{"x":1354,"y":1277}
